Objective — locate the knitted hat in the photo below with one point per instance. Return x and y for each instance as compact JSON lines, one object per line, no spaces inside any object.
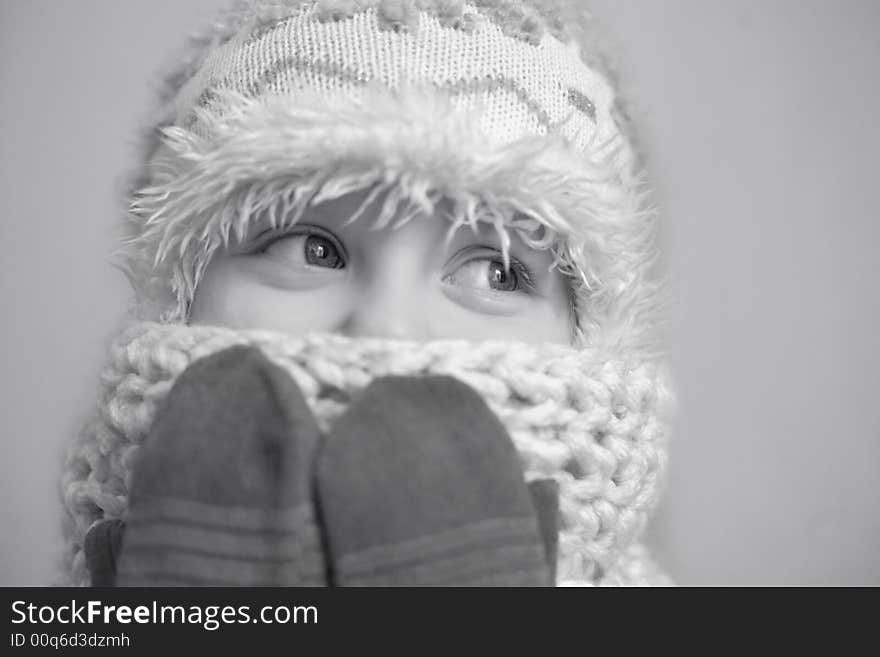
{"x":499,"y":106}
{"x":502,"y":110}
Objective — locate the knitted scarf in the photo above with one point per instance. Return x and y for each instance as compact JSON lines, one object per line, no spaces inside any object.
{"x":596,"y":423}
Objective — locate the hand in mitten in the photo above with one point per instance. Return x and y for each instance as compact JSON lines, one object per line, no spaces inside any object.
{"x":221,"y":491}
{"x":420,"y":485}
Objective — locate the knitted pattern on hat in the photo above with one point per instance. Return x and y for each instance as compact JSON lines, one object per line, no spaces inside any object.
{"x":596,"y":425}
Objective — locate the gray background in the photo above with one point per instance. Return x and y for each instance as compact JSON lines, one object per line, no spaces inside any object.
{"x":761,"y":120}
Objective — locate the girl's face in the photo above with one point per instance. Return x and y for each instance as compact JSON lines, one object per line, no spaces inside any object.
{"x":356,"y":280}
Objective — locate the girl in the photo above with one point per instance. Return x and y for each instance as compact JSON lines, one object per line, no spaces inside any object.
{"x":395,"y":322}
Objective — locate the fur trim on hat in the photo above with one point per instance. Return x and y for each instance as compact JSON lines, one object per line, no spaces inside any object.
{"x":272,"y":158}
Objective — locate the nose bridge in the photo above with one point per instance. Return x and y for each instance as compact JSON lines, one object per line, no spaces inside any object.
{"x":391,"y":288}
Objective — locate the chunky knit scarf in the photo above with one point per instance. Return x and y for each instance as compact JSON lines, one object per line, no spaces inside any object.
{"x":596,"y":423}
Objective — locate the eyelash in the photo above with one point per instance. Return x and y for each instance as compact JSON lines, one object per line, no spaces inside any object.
{"x":267,"y":238}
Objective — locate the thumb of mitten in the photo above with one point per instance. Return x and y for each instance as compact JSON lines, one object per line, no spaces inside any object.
{"x":102,"y":546}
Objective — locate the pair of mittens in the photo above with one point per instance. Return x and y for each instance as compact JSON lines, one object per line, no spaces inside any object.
{"x":416,"y":484}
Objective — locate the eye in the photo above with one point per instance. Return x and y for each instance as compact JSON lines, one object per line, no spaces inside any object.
{"x":308,"y":249}
{"x":490,"y":274}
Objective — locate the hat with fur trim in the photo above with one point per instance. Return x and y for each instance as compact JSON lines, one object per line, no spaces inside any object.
{"x":500,"y":107}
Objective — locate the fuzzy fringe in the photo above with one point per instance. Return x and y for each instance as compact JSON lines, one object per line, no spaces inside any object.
{"x":411,"y":149}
